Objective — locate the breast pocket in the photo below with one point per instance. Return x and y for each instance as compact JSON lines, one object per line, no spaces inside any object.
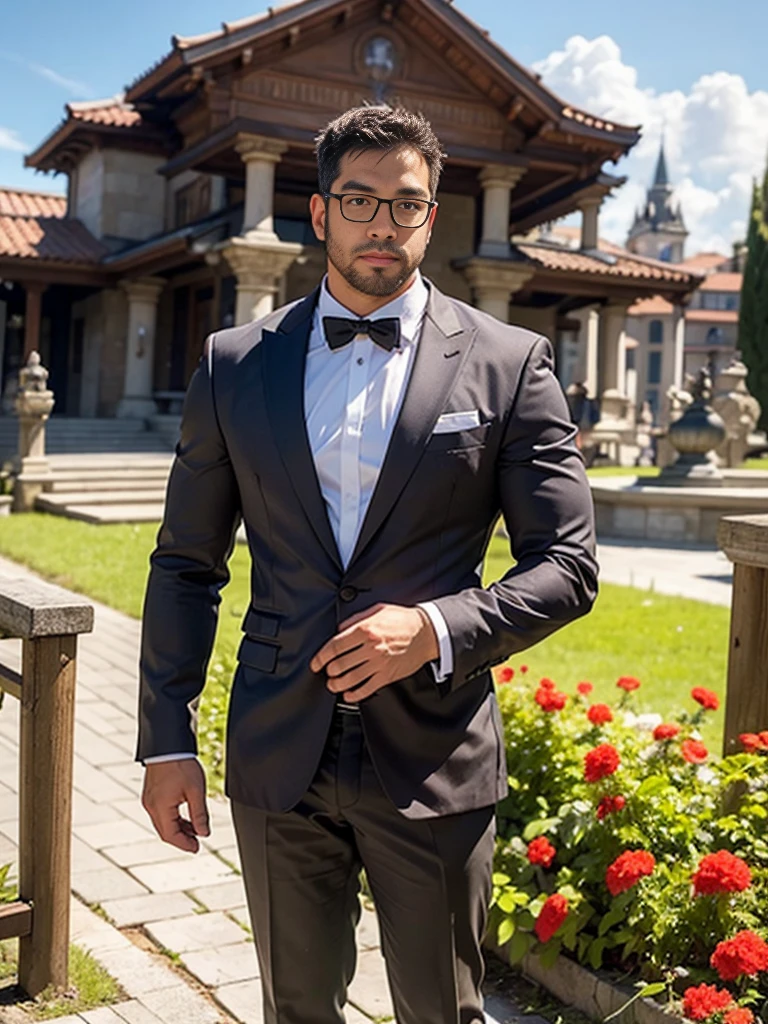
{"x":453,"y":441}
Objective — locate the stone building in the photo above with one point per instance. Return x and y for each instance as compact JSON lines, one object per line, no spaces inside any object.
{"x":187,"y":202}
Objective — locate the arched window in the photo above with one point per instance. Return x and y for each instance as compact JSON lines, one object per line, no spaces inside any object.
{"x":655,"y":332}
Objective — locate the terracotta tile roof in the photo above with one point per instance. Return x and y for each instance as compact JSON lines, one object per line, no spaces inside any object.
{"x":33,"y":226}
{"x":705,"y":261}
{"x":726,"y":282}
{"x":624,"y":265}
{"x":712,"y":316}
{"x":112,"y":112}
{"x":655,"y":306}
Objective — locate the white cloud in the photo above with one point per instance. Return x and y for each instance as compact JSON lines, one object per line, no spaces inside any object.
{"x":9,"y":139}
{"x":73,"y":86}
{"x":716,"y":137}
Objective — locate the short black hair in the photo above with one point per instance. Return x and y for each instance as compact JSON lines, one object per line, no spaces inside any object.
{"x":383,"y":128}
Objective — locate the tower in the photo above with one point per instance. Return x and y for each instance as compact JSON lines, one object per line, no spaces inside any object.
{"x":658,"y":229}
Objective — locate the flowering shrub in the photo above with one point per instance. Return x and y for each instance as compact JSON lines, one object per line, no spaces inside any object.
{"x":625,"y":844}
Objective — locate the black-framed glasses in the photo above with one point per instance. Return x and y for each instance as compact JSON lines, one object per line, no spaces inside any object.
{"x":405,"y":213}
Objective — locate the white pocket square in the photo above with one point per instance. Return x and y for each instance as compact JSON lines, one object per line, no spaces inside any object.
{"x":451,"y":421}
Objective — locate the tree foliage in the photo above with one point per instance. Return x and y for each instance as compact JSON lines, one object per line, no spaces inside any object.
{"x":753,"y":315}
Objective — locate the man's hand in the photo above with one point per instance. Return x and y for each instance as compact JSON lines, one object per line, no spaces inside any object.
{"x":375,"y":648}
{"x":167,"y":785}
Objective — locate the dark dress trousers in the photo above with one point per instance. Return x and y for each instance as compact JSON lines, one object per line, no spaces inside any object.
{"x":406,"y":788}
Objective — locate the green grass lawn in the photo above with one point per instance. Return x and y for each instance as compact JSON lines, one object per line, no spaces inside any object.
{"x":671,"y":644}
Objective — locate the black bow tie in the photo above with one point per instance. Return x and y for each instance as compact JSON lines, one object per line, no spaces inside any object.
{"x":339,"y":331}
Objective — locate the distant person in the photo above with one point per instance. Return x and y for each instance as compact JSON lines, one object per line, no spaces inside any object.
{"x":368,"y":435}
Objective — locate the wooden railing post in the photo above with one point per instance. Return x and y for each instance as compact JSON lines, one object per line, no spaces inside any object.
{"x":48,"y":620}
{"x":744,"y":539}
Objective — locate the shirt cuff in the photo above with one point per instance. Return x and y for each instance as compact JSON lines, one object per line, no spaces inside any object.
{"x":167,"y":757}
{"x":443,"y":666}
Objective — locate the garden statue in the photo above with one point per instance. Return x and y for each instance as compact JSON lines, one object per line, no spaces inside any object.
{"x":739,"y":410}
{"x":33,"y":406}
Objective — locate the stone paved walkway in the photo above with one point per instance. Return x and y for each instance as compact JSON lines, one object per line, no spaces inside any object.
{"x":701,"y":573}
{"x":151,"y":896}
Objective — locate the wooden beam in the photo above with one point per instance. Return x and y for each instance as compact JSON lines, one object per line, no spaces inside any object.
{"x":32,"y":316}
{"x":15,"y":920}
{"x":10,"y":681}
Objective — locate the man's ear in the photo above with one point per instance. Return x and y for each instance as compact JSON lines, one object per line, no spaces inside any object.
{"x":317,"y":210}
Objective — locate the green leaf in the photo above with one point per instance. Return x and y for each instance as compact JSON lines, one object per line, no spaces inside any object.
{"x":519,"y":946}
{"x":499,"y":878}
{"x":506,"y":930}
{"x":539,"y":827}
{"x":654,"y":989}
{"x":596,"y":953}
{"x":614,"y":916}
{"x":549,"y":954}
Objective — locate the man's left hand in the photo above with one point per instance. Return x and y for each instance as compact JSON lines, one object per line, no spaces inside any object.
{"x":375,"y":648}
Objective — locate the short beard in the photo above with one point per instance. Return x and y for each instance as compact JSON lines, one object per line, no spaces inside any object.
{"x":376,"y":284}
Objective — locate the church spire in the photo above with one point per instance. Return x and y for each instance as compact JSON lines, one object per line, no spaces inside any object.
{"x":661,"y":178}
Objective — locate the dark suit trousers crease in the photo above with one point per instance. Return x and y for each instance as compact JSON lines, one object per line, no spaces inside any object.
{"x":430,"y":879}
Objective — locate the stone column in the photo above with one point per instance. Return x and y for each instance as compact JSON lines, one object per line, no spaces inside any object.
{"x":260,"y":155}
{"x":494,"y":282}
{"x":589,"y":319}
{"x":497,"y":181}
{"x":590,"y":210}
{"x":33,"y":405}
{"x":143,"y":294}
{"x":612,"y":357}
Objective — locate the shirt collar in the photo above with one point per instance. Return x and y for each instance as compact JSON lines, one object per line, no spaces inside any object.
{"x":410,"y":307}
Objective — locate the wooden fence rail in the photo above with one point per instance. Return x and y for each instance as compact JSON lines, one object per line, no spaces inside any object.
{"x":48,"y":620}
{"x":744,"y":539}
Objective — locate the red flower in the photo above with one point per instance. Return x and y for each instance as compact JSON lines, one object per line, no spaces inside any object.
{"x":547,"y":684}
{"x":550,"y":699}
{"x":585,"y":688}
{"x":628,"y":683}
{"x":739,"y":1015}
{"x":706,"y":698}
{"x":694,"y":752}
{"x":523,"y":669}
{"x":752,"y":741}
{"x":551,"y":916}
{"x":627,"y":870}
{"x":609,"y":804}
{"x":745,"y":953}
{"x":704,"y":1000}
{"x":599,"y":714}
{"x":601,"y":762}
{"x":721,"y":872}
{"x":506,"y":674}
{"x":541,"y":851}
{"x":665,"y":732}
{"x":619,"y":803}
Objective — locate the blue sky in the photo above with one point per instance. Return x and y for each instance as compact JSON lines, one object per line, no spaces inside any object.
{"x":52,"y":52}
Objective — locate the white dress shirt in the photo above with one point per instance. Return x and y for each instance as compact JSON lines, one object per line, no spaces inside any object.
{"x":352,"y":398}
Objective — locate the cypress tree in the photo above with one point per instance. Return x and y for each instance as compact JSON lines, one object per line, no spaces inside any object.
{"x":753,"y":309}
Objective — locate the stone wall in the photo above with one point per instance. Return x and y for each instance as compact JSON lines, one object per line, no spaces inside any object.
{"x":88,"y":191}
{"x":114,"y":327}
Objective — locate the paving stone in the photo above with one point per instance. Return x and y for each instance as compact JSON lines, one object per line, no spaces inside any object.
{"x":101,"y":1015}
{"x":114,"y":833}
{"x":126,"y":741}
{"x":91,"y":931}
{"x":224,"y":896}
{"x":369,"y":990}
{"x":127,"y":773}
{"x":10,"y":830}
{"x":233,"y":962}
{"x":351,"y":1015}
{"x":200,"y":869}
{"x":134,"y":1012}
{"x":107,"y":884}
{"x":94,"y":748}
{"x":132,"y":808}
{"x":96,"y":785}
{"x":9,"y":804}
{"x":178,"y":1004}
{"x":231,"y":855}
{"x":145,"y":851}
{"x":222,"y":836}
{"x":197,"y":931}
{"x":87,"y":812}
{"x":368,"y":936}
{"x":137,"y":910}
{"x":241,"y":915}
{"x":85,"y":858}
{"x":138,"y":972}
{"x":243,"y":1000}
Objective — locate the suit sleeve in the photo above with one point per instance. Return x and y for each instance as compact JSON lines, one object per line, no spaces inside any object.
{"x":188,"y":569}
{"x":547,"y":507}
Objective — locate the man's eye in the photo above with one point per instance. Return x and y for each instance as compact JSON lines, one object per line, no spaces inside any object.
{"x":409,"y":206}
{"x":357,"y":201}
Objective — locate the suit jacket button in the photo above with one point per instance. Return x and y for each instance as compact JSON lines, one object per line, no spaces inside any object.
{"x":348,"y":593}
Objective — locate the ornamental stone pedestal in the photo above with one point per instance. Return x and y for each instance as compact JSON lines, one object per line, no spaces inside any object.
{"x":33,"y":406}
{"x":494,"y":282}
{"x":137,"y":401}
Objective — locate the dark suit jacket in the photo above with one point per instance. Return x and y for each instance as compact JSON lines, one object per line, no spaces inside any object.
{"x":438,"y":749}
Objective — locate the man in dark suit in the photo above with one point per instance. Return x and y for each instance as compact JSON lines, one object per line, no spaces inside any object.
{"x":368,"y":436}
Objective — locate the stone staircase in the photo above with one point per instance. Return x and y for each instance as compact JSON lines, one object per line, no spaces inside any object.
{"x":107,"y":488}
{"x":73,"y":435}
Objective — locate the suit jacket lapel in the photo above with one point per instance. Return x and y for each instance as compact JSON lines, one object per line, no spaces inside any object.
{"x":440,"y":354}
{"x":284,"y":358}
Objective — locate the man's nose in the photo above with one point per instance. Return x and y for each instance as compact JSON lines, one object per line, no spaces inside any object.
{"x":382,"y":226}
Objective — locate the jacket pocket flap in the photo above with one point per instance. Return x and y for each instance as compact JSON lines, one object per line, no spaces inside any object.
{"x":259,"y":623}
{"x":258,"y":654}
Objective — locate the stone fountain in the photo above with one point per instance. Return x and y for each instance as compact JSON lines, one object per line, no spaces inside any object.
{"x":685,"y":502}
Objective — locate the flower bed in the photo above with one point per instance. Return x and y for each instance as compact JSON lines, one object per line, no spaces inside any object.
{"x":624,"y":844}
